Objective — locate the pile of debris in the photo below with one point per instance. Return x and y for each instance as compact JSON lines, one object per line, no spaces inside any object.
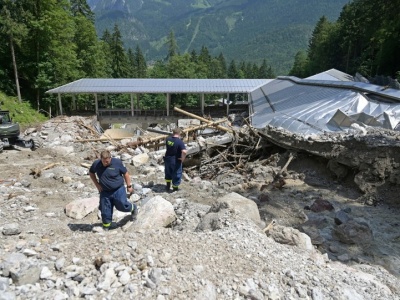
{"x":244,"y":226}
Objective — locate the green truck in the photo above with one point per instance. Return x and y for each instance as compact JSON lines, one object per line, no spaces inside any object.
{"x":10,"y":134}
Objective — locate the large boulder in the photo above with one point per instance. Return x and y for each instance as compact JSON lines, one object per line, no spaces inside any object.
{"x":353,"y":232}
{"x":140,"y":159}
{"x":78,"y":209}
{"x":244,"y":207}
{"x":225,"y":209}
{"x":290,"y":236}
{"x":155,"y":213}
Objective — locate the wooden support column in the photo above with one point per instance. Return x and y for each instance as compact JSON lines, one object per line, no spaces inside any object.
{"x":137,"y":102}
{"x":202,"y":104}
{"x":73,"y":102}
{"x":132,"y":106}
{"x":168,"y":102}
{"x":96,"y":104}
{"x":60,"y":104}
{"x":227,"y":104}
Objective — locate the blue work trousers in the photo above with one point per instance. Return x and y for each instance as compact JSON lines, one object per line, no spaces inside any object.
{"x":109,"y":200}
{"x":173,"y":170}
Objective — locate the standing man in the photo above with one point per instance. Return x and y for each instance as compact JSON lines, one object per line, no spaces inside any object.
{"x":174,"y":156}
{"x":111,"y":174}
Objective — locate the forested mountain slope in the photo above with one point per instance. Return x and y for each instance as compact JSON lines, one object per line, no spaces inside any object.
{"x":250,"y":30}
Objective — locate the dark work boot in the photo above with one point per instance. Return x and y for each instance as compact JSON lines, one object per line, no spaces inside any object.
{"x":168,"y":187}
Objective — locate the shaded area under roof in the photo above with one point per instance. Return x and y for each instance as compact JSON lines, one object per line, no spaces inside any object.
{"x":173,"y":86}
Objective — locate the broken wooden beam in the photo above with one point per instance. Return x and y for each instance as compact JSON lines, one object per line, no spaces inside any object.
{"x":202,"y":119}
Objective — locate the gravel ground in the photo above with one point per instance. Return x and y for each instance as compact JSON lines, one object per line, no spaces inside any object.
{"x":46,"y":255}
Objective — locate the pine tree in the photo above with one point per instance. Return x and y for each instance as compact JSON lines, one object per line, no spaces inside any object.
{"x":14,"y":30}
{"x":223,"y":67}
{"x":119,"y":61}
{"x":233,"y":72}
{"x":80,"y":7}
{"x":141,"y":66}
{"x":300,"y":65}
{"x":90,"y":52}
{"x":132,"y":71}
{"x":172,"y":45}
{"x":319,"y":48}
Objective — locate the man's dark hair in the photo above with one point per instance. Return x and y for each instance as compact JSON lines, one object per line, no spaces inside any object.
{"x":105,"y":154}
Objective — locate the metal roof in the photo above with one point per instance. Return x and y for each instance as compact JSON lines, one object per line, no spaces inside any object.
{"x":173,"y":86}
{"x":332,"y":74}
{"x":317,"y":105}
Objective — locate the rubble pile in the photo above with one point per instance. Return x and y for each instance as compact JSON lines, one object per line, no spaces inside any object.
{"x":373,"y":154}
{"x":256,"y":232}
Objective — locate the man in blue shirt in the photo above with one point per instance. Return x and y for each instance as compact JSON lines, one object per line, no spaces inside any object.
{"x":111,"y":174}
{"x":174,"y":156}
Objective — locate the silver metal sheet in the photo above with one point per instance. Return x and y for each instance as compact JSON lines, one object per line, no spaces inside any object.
{"x":127,"y":85}
{"x":318,"y":106}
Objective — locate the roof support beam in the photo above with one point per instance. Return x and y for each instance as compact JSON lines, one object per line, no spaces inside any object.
{"x":132,"y":106}
{"x":202,"y":103}
{"x":60,"y":104}
{"x":96,"y":104}
{"x":168,"y":103}
{"x":227,"y":104}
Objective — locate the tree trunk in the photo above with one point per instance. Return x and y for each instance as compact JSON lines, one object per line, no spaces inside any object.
{"x":15,"y":68}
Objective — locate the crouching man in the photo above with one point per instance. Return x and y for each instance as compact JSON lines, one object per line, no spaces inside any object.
{"x":108,"y":175}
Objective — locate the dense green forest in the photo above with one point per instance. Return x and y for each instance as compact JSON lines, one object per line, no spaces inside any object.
{"x":49,"y":43}
{"x":365,"y":39}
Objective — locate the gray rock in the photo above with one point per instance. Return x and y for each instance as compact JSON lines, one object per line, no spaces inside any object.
{"x":28,"y":273}
{"x":80,"y":208}
{"x":341,"y":217}
{"x":12,"y":261}
{"x":290,"y":236}
{"x":59,"y":264}
{"x":353,"y":232}
{"x":155,"y":213}
{"x":155,"y":275}
{"x":8,"y":296}
{"x":11,"y":229}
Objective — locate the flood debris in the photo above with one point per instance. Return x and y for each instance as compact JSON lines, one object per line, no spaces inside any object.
{"x":37,"y":172}
{"x":368,"y":155}
{"x":372,"y":156}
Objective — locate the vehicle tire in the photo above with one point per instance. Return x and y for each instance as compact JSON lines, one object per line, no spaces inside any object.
{"x":36,"y":143}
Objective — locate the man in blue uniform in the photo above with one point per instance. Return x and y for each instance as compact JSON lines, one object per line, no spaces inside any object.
{"x":111,"y":174}
{"x":173,"y":159}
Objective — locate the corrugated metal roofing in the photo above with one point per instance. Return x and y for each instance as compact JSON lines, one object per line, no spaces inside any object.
{"x":312,"y":106}
{"x":120,"y":86}
{"x":332,"y":74}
